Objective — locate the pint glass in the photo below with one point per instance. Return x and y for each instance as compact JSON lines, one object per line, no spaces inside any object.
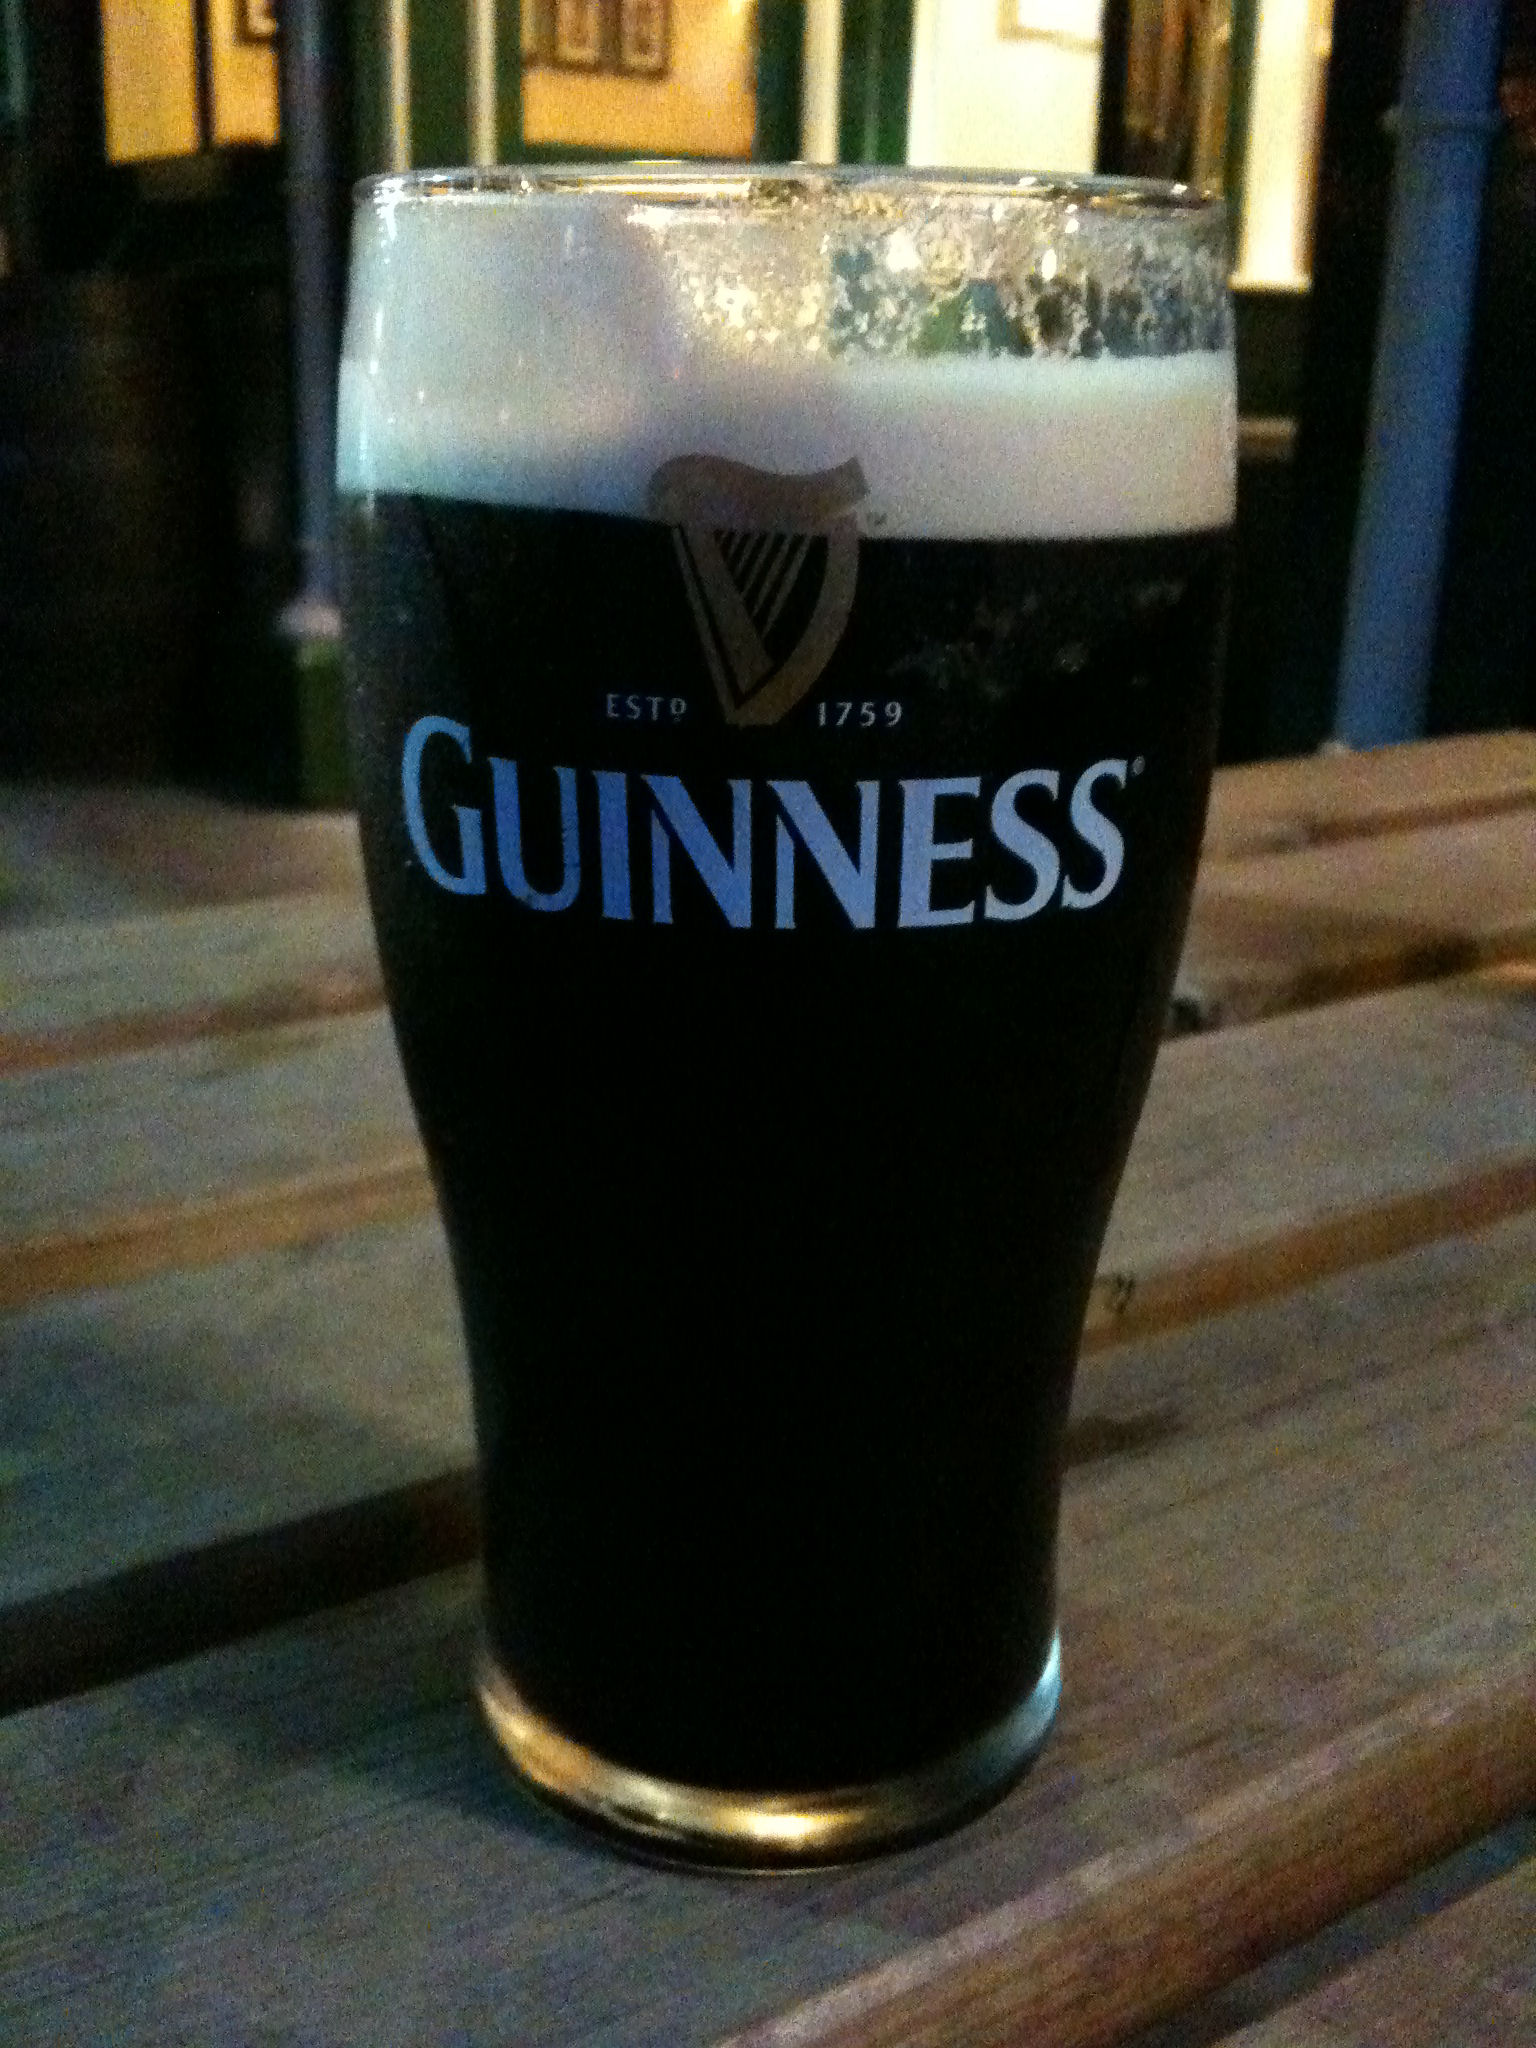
{"x":783,"y":616}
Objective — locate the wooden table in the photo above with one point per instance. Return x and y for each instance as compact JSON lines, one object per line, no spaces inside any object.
{"x":243,"y":1796}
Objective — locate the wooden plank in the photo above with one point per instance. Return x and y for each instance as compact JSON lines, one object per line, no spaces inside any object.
{"x":1297,"y":1621}
{"x":129,"y":981}
{"x":149,"y":1421}
{"x":1131,"y":1936}
{"x":76,"y":991}
{"x":195,"y":1122}
{"x":230,"y":1586}
{"x":1283,"y":931}
{"x":302,"y":1209}
{"x":316,"y":1366}
{"x":187,"y":1154}
{"x":1466,"y":1975}
{"x":1277,"y":1152}
{"x":1406,"y":1914}
{"x":71,"y":852}
{"x":1264,"y":1155}
{"x":1278,"y":806}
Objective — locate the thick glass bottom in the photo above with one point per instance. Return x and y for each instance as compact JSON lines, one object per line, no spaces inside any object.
{"x":768,"y":1830}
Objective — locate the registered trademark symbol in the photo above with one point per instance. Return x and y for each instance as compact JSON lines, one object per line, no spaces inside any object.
{"x":1138,"y":764}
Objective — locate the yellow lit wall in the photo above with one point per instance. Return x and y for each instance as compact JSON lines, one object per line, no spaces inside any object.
{"x":244,"y":80}
{"x":705,"y":106}
{"x":149,"y":79}
{"x":149,"y":68}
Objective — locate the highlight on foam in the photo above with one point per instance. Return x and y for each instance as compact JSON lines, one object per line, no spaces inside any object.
{"x":1014,"y":356}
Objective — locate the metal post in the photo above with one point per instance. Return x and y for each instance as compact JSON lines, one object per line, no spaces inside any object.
{"x":481,"y":39}
{"x":822,"y":79}
{"x":397,"y":82}
{"x":312,"y":315}
{"x":1445,"y":124}
{"x":16,"y":250}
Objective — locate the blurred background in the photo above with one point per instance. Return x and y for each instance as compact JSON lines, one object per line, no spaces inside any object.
{"x":174,"y":180}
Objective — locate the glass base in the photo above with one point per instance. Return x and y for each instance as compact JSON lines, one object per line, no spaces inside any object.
{"x":768,"y":1830}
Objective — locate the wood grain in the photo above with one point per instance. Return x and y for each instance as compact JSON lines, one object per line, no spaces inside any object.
{"x":81,"y":852}
{"x":1278,"y":806}
{"x":1139,"y":1932}
{"x":1402,"y":1921}
{"x":78,"y":990}
{"x":190,"y":1410}
{"x":88,"y":1147}
{"x":1264,"y":1155}
{"x":1295,"y":1582}
{"x":1130,"y":1299}
{"x":261,"y":1360}
{"x":1466,"y":1975}
{"x":1280,"y":1150}
{"x":182,"y":1236}
{"x":1281,"y":932}
{"x":1303,"y":1537}
{"x":147,"y":1614}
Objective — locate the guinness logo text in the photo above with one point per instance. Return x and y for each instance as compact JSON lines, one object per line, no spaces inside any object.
{"x":910,"y":853}
{"x":770,"y":564}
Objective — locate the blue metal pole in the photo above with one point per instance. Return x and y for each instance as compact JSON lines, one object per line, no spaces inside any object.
{"x":1445,"y":124}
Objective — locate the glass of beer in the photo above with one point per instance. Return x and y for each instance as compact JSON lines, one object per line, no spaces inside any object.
{"x":784,"y":612}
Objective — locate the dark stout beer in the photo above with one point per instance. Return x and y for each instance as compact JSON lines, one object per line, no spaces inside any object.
{"x":779,"y":878}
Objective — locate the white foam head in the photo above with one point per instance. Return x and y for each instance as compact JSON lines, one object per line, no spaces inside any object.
{"x":530,"y":343}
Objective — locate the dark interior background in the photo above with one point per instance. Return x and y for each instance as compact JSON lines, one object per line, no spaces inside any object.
{"x":146,"y":472}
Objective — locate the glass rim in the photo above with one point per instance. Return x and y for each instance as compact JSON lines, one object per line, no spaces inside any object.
{"x":694,"y":182}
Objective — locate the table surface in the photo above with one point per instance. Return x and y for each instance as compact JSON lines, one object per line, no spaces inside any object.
{"x":243,"y":1795}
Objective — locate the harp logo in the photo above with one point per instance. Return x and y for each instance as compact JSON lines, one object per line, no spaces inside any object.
{"x":769,"y":563}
